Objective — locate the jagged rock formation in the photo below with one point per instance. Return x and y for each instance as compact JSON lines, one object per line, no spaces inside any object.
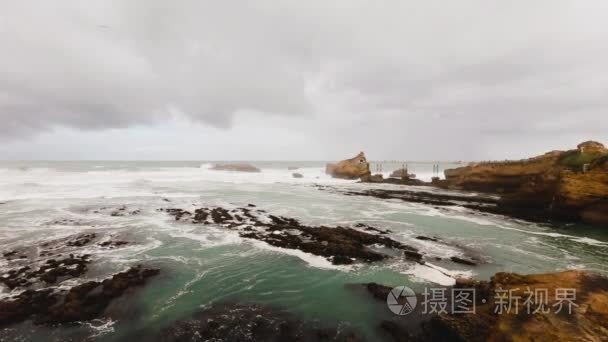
{"x":353,"y":168}
{"x":47,"y":282}
{"x":568,"y":185}
{"x":340,"y":245}
{"x":240,"y":167}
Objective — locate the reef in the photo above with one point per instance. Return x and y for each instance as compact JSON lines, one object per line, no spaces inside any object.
{"x":47,"y":282}
{"x":340,"y":245}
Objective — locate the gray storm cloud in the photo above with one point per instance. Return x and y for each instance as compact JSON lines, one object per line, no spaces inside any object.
{"x":490,"y":68}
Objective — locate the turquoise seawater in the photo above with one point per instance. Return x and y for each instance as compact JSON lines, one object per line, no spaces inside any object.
{"x":202,"y":265}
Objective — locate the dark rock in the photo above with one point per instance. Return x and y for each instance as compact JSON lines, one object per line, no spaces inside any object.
{"x":426,"y":238}
{"x":463,"y":261}
{"x":250,"y":322}
{"x":80,"y":303}
{"x":341,"y":245}
{"x":82,"y":240}
{"x":113,"y":243}
{"x":49,"y":272}
{"x":297,"y":175}
{"x":379,"y":292}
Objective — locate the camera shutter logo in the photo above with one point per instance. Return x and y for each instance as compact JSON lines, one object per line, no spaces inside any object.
{"x":401,"y":300}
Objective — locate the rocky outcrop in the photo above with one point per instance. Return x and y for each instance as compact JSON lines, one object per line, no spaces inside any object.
{"x":297,"y":175}
{"x":565,"y":185}
{"x":80,"y":303}
{"x":585,"y":322}
{"x":353,"y":168}
{"x":238,"y":167}
{"x":511,"y":307}
{"x":48,"y":282}
{"x":340,"y":245}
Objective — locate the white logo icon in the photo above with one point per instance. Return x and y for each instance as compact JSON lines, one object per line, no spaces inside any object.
{"x":401,"y":300}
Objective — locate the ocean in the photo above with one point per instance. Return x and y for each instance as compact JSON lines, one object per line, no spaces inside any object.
{"x":203,"y":265}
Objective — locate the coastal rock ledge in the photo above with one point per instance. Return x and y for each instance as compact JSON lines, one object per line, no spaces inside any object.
{"x":353,"y":168}
{"x":564,"y":185}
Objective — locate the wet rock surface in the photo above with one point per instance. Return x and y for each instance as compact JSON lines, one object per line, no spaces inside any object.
{"x":46,"y":284}
{"x":80,"y":303}
{"x":250,"y":322}
{"x":340,"y":245}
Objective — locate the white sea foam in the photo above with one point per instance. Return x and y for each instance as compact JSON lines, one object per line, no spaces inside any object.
{"x":100,"y":326}
{"x":310,"y":259}
{"x":435,"y":274}
{"x":44,"y":183}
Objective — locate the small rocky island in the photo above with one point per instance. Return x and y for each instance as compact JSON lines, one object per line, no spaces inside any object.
{"x":238,"y":167}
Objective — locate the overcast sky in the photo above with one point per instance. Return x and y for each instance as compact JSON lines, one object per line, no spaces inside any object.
{"x":301,"y":80}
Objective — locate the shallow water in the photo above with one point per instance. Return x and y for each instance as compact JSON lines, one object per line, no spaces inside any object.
{"x":205,"y":264}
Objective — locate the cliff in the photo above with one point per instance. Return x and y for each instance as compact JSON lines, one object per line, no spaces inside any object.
{"x":569,"y":185}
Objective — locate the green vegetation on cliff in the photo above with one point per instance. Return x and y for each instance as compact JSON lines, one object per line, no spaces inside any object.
{"x":575,"y":159}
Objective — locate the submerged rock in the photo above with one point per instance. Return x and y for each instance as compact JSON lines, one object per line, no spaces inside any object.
{"x":353,"y":168}
{"x":463,"y":261}
{"x":239,"y":167}
{"x":250,"y":322}
{"x":297,"y":175}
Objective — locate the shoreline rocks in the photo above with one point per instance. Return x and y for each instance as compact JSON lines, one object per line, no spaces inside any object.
{"x":237,"y":167}
{"x":41,"y":281}
{"x":585,"y":320}
{"x":569,"y":185}
{"x":80,"y":303}
{"x":354,"y":168}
